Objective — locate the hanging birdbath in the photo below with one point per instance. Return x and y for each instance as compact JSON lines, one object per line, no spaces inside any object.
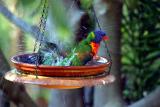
{"x":96,"y":67}
{"x":85,"y":68}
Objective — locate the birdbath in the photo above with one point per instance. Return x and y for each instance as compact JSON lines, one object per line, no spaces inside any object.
{"x":60,"y":77}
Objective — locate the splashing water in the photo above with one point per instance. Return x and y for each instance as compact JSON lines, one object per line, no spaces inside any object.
{"x":58,"y":61}
{"x":55,"y":60}
{"x":67,"y":61}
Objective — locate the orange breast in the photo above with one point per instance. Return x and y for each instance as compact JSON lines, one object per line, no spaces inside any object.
{"x":95,"y":47}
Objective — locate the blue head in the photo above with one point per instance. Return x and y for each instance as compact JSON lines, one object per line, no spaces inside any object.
{"x":99,"y":35}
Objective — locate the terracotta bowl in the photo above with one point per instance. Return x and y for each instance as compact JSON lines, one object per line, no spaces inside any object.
{"x":61,"y":71}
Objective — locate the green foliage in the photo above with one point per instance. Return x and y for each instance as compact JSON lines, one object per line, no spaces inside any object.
{"x":141,"y":48}
{"x":60,"y":21}
{"x":26,"y":3}
{"x":4,"y":36}
{"x":29,"y":7}
{"x":131,"y":4}
{"x":86,"y":4}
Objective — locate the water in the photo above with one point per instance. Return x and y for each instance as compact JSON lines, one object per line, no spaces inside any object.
{"x":103,"y":82}
{"x":68,"y":60}
{"x":56,"y":60}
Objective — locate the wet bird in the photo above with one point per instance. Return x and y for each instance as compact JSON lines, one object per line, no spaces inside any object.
{"x":49,"y":54}
{"x":86,"y":50}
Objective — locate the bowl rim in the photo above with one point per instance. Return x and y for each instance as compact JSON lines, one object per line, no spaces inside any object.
{"x":13,"y":60}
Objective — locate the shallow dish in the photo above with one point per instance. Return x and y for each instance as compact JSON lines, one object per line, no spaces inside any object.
{"x":61,"y":71}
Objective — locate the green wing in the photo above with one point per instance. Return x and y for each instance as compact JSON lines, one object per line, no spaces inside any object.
{"x":82,"y":53}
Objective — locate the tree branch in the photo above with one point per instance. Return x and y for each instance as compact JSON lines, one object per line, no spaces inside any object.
{"x":15,"y":92}
{"x":152,"y":100}
{"x":18,"y":22}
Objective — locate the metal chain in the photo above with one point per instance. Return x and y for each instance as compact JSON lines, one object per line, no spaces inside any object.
{"x":99,"y":26}
{"x":42,"y":26}
{"x":110,"y":58}
{"x":96,"y":18}
{"x":40,"y":33}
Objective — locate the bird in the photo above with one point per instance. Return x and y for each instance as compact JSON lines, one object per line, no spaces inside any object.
{"x":86,"y":49}
{"x":49,"y":54}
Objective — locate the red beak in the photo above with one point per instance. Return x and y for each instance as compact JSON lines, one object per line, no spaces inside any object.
{"x":105,"y":38}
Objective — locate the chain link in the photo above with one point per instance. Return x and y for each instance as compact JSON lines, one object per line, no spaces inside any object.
{"x":42,"y":26}
{"x":40,"y":34}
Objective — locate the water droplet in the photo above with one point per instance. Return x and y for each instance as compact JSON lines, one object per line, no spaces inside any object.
{"x":103,"y":82}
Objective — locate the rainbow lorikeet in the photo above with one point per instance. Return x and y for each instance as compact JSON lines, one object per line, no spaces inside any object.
{"x":86,"y":50}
